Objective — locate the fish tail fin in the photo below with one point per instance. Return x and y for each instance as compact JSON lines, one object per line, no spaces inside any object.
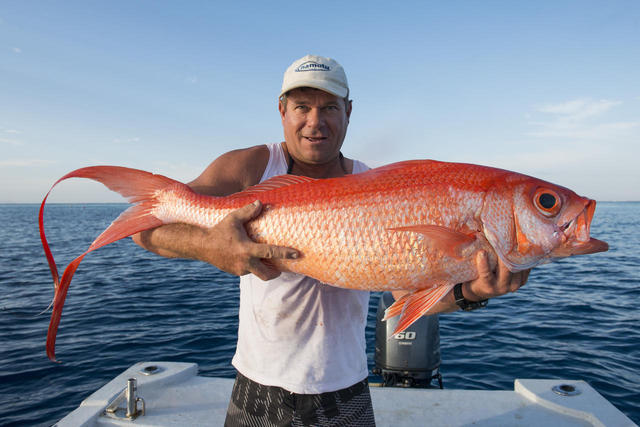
{"x":58,"y":304}
{"x":412,"y":306}
{"x":140,"y":188}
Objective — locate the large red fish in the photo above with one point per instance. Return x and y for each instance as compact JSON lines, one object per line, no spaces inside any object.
{"x":414,"y":225}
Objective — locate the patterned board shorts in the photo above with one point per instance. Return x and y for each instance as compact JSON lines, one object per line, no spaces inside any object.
{"x":254,"y":404}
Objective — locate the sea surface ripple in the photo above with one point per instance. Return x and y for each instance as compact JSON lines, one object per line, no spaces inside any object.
{"x":577,"y":318}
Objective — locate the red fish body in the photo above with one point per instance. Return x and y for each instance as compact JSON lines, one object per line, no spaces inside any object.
{"x":414,"y":225}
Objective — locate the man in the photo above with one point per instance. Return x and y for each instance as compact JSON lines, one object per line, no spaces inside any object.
{"x":301,"y":348}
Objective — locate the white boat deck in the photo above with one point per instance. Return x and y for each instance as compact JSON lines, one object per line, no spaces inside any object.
{"x":176,"y":396}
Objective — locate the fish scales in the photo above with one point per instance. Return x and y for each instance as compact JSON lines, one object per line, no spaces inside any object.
{"x":413,"y":226}
{"x":345,"y":231}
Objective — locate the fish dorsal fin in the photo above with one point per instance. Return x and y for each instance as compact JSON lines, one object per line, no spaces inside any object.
{"x":449,"y":241}
{"x":391,"y":167}
{"x":272,"y":184}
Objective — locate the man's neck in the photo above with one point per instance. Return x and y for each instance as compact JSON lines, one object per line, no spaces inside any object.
{"x":328,"y":170}
{"x":338,"y":166}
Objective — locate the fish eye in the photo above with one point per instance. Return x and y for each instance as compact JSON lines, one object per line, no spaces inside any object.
{"x":547,"y":201}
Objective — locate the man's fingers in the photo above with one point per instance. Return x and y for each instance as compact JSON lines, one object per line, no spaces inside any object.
{"x":492,"y":283}
{"x":273,"y":252}
{"x":247,"y":212}
{"x":504,"y":277}
{"x":242,"y":255}
{"x":263,"y":271}
{"x":519,"y":279}
{"x":482,"y":264}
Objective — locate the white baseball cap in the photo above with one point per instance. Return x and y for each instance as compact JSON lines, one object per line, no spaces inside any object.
{"x":317,"y":72}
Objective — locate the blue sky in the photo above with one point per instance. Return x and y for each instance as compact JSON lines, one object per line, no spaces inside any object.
{"x":547,"y":88}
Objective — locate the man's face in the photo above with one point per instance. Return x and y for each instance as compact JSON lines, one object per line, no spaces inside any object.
{"x":315,"y":124}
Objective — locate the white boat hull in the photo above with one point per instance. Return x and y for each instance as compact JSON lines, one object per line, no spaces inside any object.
{"x":177,"y":396}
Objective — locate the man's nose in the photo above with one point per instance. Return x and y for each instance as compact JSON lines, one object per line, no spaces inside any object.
{"x":315,"y":118}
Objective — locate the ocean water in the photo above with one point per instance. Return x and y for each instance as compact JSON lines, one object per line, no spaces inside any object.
{"x":575,"y":319}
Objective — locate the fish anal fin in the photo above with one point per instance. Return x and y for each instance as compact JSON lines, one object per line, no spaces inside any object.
{"x":418,"y":304}
{"x":396,"y":308}
{"x":445,"y":239}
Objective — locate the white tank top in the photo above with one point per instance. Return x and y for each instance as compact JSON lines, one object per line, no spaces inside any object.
{"x":297,"y":333}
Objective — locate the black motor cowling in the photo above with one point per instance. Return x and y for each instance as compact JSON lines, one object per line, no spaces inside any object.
{"x":411,"y":358}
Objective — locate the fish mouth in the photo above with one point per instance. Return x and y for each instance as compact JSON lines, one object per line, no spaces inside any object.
{"x":590,"y":247}
{"x":575,"y":236}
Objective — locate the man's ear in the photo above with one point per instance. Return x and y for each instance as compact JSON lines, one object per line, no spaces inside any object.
{"x":281,"y":109}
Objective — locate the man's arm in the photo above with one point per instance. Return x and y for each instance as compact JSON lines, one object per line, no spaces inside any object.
{"x":487,"y":285}
{"x":227,"y":245}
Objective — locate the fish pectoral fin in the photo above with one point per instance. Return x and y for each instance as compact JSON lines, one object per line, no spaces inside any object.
{"x":414,"y":305}
{"x":445,"y":239}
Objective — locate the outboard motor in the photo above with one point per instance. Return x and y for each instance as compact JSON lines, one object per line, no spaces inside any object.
{"x":412,"y":357}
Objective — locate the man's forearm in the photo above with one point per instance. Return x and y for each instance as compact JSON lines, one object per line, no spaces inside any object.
{"x":225,"y":245}
{"x":174,"y":241}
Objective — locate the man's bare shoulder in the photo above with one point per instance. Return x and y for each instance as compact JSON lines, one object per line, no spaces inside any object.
{"x":232,"y":171}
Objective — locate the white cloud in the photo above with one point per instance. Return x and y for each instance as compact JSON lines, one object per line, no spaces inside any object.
{"x":596,"y":131}
{"x":10,"y":142}
{"x":541,"y":161}
{"x":25,"y":162}
{"x":16,"y":49}
{"x":580,"y":118}
{"x":579,"y":109}
{"x":126,"y":140}
{"x":4,"y":129}
{"x":592,"y":169}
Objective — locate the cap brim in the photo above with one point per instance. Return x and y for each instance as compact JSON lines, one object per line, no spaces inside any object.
{"x":335,"y":90}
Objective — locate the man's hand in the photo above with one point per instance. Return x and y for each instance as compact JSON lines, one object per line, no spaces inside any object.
{"x":491,"y":284}
{"x":228,"y":247}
